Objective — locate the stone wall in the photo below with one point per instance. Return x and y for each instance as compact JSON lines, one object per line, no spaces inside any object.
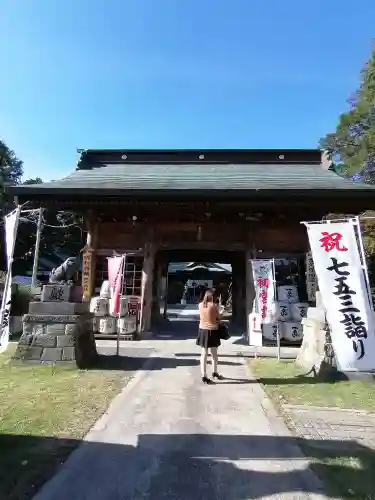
{"x":56,"y":338}
{"x":56,"y":332}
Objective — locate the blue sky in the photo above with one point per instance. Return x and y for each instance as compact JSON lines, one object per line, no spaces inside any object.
{"x":174,"y":74}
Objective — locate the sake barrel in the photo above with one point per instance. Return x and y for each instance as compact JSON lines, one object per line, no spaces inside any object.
{"x":124,"y":305}
{"x":99,"y":306}
{"x":292,"y":331}
{"x":95,"y":324}
{"x":126,"y":326}
{"x":298,"y":310}
{"x":105,"y":291}
{"x":283,"y":311}
{"x":287,"y":293}
{"x":107,"y":326}
{"x":270,"y":331}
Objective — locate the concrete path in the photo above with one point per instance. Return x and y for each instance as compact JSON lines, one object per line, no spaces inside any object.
{"x":168,"y":437}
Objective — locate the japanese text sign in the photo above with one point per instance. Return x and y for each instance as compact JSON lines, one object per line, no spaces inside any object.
{"x":311,"y":281}
{"x":86,"y":273}
{"x":343,"y":288}
{"x":264,"y":303}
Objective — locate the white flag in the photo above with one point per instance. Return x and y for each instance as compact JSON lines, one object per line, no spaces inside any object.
{"x":11,"y":224}
{"x":264,"y":303}
{"x":344,"y":293}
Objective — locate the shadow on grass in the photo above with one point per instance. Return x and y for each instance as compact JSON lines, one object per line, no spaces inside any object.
{"x":186,"y":466}
{"x":327,"y":377}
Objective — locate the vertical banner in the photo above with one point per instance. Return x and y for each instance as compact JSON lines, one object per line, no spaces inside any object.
{"x":11,"y":225}
{"x":264,"y":302}
{"x":342,"y":285}
{"x":311,"y":280}
{"x":115,"y":271}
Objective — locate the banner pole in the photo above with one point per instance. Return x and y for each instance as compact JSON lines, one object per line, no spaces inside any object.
{"x":8,"y":282}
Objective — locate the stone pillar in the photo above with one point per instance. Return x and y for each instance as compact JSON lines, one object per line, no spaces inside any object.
{"x":57,"y":330}
{"x":147,"y":279}
{"x":316,"y":353}
{"x":89,"y":255}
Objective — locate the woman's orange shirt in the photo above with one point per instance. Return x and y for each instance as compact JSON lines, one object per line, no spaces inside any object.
{"x":209,"y":316}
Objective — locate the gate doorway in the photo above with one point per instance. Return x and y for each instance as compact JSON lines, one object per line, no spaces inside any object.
{"x":180,"y":278}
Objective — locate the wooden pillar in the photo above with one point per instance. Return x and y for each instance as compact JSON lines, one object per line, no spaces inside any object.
{"x":89,"y":255}
{"x":250,"y":290}
{"x":159,"y":281}
{"x":147,"y":279}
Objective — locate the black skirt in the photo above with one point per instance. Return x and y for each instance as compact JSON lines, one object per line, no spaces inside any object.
{"x":208,"y":338}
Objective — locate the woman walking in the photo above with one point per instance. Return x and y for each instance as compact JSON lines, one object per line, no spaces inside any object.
{"x":208,"y":335}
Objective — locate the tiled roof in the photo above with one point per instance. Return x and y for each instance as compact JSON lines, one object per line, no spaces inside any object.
{"x":127,"y":178}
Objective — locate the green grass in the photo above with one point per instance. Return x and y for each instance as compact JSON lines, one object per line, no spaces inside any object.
{"x":346,"y":471}
{"x":44,"y":411}
{"x":285,"y":381}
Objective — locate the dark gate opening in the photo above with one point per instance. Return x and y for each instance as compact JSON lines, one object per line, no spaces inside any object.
{"x":180,"y":277}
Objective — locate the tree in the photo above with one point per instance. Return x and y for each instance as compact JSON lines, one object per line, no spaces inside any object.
{"x":11,"y":170}
{"x":29,"y":181}
{"x":352,"y":145}
{"x":62,"y":231}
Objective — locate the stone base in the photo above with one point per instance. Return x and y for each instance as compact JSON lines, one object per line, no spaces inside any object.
{"x":51,"y":338}
{"x":316,"y":313}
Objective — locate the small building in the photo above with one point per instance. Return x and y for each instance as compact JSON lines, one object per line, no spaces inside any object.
{"x":227,"y":206}
{"x":187,"y":280}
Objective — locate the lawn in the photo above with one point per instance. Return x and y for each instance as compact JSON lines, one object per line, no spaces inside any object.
{"x":347,"y":472}
{"x":44,"y":413}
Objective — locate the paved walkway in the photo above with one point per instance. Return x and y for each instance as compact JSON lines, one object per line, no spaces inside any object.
{"x":333,"y":427}
{"x":168,"y":437}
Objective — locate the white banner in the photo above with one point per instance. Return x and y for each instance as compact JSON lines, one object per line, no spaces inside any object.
{"x":11,"y":225}
{"x":264,"y":302}
{"x":343,"y":289}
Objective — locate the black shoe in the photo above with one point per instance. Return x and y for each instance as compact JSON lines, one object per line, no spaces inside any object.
{"x":216,"y":375}
{"x":207,"y":380}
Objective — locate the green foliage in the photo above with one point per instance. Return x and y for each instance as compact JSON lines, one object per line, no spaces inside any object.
{"x":61,"y":230}
{"x":61,"y":233}
{"x":20,"y":300}
{"x":10,"y":173}
{"x":352,"y":145}
{"x":29,"y":181}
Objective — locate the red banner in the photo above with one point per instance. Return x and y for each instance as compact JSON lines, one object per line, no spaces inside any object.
{"x":115,"y":271}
